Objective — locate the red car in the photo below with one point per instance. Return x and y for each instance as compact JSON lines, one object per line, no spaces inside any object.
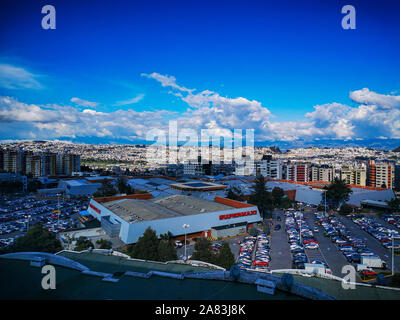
{"x":260,"y":263}
{"x":310,"y":241}
{"x":368,"y":273}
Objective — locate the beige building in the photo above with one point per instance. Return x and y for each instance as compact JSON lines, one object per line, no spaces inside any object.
{"x":324,"y":173}
{"x":356,"y":176}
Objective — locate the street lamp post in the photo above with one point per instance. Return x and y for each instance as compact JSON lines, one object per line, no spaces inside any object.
{"x":392,"y":254}
{"x":185,"y":226}
{"x":300,"y":233}
{"x":58,"y":210}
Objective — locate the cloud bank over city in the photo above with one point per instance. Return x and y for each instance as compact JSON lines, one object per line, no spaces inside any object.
{"x":375,"y":116}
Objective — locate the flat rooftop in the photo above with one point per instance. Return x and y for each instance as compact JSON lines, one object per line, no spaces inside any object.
{"x":197,"y":186}
{"x":135,"y":210}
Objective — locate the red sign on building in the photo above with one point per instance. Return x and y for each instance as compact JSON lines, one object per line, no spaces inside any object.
{"x":236,"y":215}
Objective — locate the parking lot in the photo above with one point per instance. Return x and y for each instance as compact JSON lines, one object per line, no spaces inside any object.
{"x":372,"y":243}
{"x":329,"y":252}
{"x":17,"y":215}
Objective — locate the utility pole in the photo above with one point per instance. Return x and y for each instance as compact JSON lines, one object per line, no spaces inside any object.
{"x":185,"y":226}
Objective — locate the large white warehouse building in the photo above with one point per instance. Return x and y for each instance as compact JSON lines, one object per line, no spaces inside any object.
{"x":128,"y":218}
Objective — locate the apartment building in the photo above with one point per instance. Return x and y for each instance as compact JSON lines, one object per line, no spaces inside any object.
{"x":397,"y":176}
{"x":12,"y":161}
{"x":354,"y":176}
{"x":298,"y":172}
{"x":269,"y":168}
{"x":381,"y":174}
{"x":38,"y":163}
{"x":322,"y":173}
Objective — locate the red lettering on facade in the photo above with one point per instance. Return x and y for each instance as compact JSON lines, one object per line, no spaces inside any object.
{"x":236,"y":215}
{"x":94,"y":208}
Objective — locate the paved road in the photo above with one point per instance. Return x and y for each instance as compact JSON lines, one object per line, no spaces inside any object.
{"x":281,"y":257}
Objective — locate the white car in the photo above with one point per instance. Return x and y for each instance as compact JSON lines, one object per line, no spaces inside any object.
{"x":311,"y":245}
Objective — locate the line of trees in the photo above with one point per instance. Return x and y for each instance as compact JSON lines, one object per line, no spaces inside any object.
{"x":203,"y":252}
{"x":107,"y":188}
{"x":11,"y":187}
{"x":150,"y":247}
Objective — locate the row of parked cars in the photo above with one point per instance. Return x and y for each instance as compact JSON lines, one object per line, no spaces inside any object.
{"x":298,"y":237}
{"x":262,"y":254}
{"x":5,"y":242}
{"x":377,"y":230}
{"x":245,"y":260}
{"x":352,"y":247}
{"x":27,"y":202}
{"x":392,"y":219}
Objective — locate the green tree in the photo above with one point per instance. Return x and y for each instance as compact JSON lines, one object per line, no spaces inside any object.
{"x":104,"y":244}
{"x":37,"y":239}
{"x":286,"y":203}
{"x":166,"y":251}
{"x":146,"y":247}
{"x":7,"y":187}
{"x":34,"y":185}
{"x":261,"y":197}
{"x":225,"y":258}
{"x":235,"y":193}
{"x":202,"y":251}
{"x":277,"y":195}
{"x":166,"y":236}
{"x":394,"y":204}
{"x":83,"y":244}
{"x":345,"y":209}
{"x":337,"y":192}
{"x":106,"y":190}
{"x":123,"y":186}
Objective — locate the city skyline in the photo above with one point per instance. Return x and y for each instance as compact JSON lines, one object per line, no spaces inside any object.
{"x":302,"y":81}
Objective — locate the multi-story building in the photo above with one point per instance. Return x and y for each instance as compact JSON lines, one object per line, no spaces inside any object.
{"x":269,"y":168}
{"x":193,"y":168}
{"x":1,"y":160}
{"x":49,"y":161}
{"x":322,"y":173}
{"x":33,"y":165}
{"x":381,"y":174}
{"x":72,"y":163}
{"x":397,"y":176}
{"x":66,"y":164}
{"x":38,"y":163}
{"x":12,"y":161}
{"x":298,"y":172}
{"x":355,"y":176}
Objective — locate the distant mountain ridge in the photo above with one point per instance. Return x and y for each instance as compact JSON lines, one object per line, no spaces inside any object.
{"x":275,"y":146}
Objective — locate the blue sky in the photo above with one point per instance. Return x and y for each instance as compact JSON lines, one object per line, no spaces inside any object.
{"x":283,"y":59}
